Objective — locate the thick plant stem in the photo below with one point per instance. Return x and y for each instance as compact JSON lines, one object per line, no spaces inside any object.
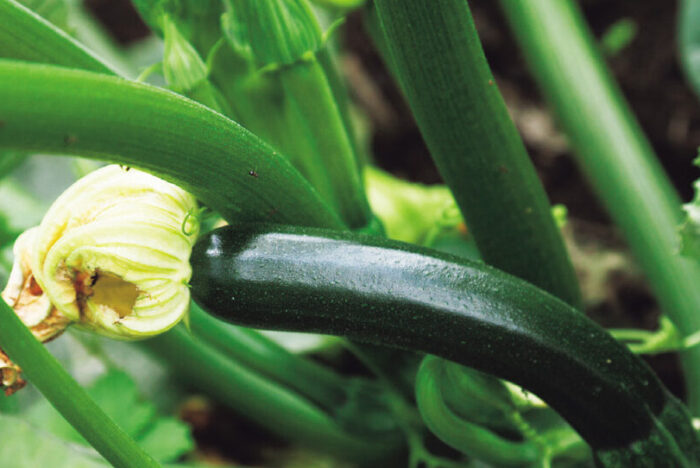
{"x":69,"y":398}
{"x":282,"y":412}
{"x":307,"y":84}
{"x":615,"y":156}
{"x":284,"y":40}
{"x":441,"y":67}
{"x":462,"y":434}
{"x":251,"y":349}
{"x":59,"y":110}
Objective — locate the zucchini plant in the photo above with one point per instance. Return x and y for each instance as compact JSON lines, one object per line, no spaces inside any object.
{"x":245,"y":120}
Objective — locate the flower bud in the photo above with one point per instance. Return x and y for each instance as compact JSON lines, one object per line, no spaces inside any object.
{"x":111,"y":255}
{"x":280,"y":32}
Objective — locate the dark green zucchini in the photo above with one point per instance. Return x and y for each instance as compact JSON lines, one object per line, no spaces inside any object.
{"x":385,"y":292}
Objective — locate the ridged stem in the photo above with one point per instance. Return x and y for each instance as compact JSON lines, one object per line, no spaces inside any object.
{"x":462,"y":434}
{"x":278,"y":410}
{"x":307,"y":84}
{"x":439,"y":62}
{"x":25,"y":35}
{"x":614,"y":154}
{"x":251,"y":349}
{"x":58,"y":110}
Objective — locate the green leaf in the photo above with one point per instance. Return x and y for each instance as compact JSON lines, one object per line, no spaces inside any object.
{"x":25,"y":445}
{"x":689,"y":41}
{"x":118,"y":396}
{"x":165,"y":438}
{"x":410,"y":212}
{"x":690,"y":229}
{"x":618,"y":36}
{"x":340,"y":4}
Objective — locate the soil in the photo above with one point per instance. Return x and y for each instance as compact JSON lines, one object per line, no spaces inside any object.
{"x":649,"y":73}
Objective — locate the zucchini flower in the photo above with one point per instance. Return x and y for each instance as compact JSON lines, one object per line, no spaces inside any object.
{"x":111,"y":256}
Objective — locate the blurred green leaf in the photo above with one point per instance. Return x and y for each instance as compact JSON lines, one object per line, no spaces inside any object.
{"x":9,"y":161}
{"x":26,"y":445}
{"x":119,"y":397}
{"x":340,"y":4}
{"x":690,"y":229}
{"x":618,"y":36}
{"x":166,"y":438}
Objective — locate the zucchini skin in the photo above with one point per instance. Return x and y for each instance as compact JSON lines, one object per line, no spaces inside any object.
{"x":385,"y":292}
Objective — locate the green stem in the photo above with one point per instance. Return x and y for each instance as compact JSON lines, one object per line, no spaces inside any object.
{"x":461,"y":434}
{"x":328,"y":59}
{"x":261,"y":106}
{"x":27,"y":36}
{"x":665,"y":339}
{"x":307,"y":84}
{"x":280,"y":411}
{"x":251,"y":349}
{"x":57,"y":110}
{"x":442,"y":69}
{"x":69,"y":398}
{"x":614,"y":154}
{"x":284,"y":39}
{"x":624,"y":334}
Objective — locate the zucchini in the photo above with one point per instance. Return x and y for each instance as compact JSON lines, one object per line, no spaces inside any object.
{"x":384,"y":292}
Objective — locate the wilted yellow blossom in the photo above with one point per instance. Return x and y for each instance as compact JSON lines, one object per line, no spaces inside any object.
{"x":111,"y":255}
